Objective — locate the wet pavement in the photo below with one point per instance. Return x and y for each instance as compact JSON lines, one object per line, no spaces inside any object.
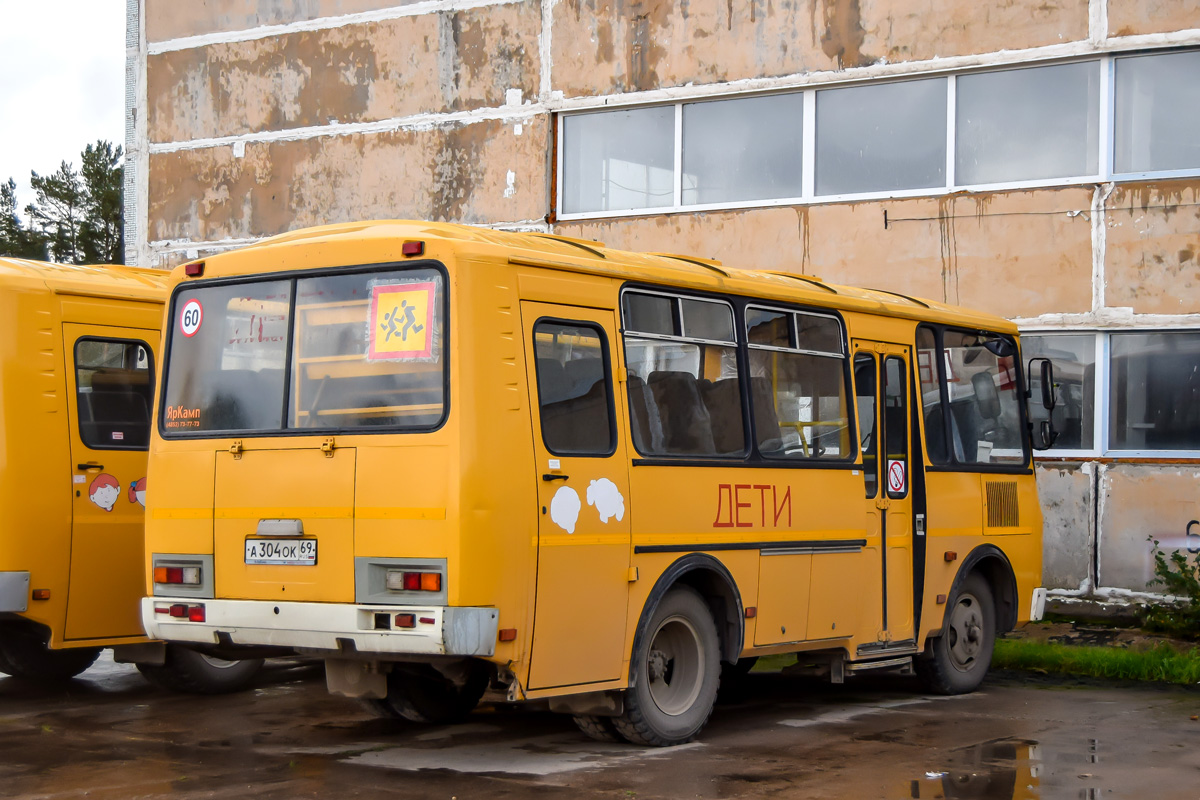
{"x":108,"y":734}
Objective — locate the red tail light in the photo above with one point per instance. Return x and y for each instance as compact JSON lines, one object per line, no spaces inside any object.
{"x":406,"y":620}
{"x":196,"y":613}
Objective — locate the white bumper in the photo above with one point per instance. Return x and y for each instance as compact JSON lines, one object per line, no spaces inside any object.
{"x":327,"y":626}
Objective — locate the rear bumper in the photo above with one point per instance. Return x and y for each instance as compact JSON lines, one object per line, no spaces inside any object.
{"x":14,"y":591}
{"x":334,"y":627}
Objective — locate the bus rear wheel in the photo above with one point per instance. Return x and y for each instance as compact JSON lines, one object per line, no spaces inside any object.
{"x":25,"y":654}
{"x":422,"y":693}
{"x":674,"y":674}
{"x":957,"y":660}
{"x":192,"y":672}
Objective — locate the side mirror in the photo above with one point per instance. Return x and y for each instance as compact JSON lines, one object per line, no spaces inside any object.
{"x":1044,"y":435}
{"x":1046,"y":379}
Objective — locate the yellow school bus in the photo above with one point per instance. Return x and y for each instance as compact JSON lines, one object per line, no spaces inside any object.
{"x":77,"y":348}
{"x":457,"y":462}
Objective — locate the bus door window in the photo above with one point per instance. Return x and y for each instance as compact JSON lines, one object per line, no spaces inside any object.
{"x":929,"y":363}
{"x":864,"y":388}
{"x":574,"y":395}
{"x":114,"y":391}
{"x":895,"y":426}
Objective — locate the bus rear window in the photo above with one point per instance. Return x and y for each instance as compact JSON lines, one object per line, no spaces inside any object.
{"x":336,"y":352}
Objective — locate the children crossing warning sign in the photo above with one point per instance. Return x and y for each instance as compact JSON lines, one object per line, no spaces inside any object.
{"x":402,"y":321}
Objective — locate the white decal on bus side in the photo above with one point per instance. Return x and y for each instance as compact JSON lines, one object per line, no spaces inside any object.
{"x":564,"y":508}
{"x":607,"y":498}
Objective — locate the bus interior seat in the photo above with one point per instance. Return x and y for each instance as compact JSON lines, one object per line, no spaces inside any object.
{"x":233,"y":399}
{"x":115,"y":410}
{"x":687,"y":427}
{"x":766,"y":420}
{"x":568,"y":424}
{"x":581,"y":375}
{"x":723,"y":401}
{"x":644,"y":417}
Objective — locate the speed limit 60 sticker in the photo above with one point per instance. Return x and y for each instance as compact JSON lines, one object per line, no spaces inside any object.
{"x":190,"y":317}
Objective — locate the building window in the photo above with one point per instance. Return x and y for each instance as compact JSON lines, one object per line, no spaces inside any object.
{"x":1027,"y":124}
{"x":745,"y":149}
{"x":1074,"y":359}
{"x":1154,"y":400}
{"x":882,"y":137}
{"x":619,"y":160}
{"x":685,"y":396}
{"x":1007,"y":128}
{"x":1157,"y":113}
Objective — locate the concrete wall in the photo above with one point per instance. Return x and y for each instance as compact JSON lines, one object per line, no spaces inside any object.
{"x":253,"y":117}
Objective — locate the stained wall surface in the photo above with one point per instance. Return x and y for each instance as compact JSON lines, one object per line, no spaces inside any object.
{"x":248,"y":118}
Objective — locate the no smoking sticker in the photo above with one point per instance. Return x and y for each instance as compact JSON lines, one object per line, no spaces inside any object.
{"x":190,"y":318}
{"x":897,"y":480}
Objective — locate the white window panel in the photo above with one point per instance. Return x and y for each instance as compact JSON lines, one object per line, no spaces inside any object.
{"x":1154,"y":391}
{"x":743,"y":149}
{"x":881,"y":138}
{"x":1027,"y":124}
{"x":619,"y":160}
{"x":1074,"y":358}
{"x":1157,"y":113}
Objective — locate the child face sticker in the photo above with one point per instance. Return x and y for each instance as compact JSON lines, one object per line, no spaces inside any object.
{"x":137,"y":492}
{"x":104,"y":491}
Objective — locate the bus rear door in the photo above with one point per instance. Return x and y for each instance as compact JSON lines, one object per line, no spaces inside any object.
{"x":583,"y":486}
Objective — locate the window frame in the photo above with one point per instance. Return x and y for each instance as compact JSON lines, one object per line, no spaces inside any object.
{"x":293,"y":276}
{"x":1104,"y":141}
{"x":610,"y":392}
{"x":1102,"y":399}
{"x":150,"y":407}
{"x":952,"y":464}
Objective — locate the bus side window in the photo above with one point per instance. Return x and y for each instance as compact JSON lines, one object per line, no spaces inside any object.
{"x":864,"y":388}
{"x":114,"y":390}
{"x":574,"y":390}
{"x":929,"y":362}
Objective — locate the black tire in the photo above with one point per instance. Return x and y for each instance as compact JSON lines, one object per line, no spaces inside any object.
{"x":674,"y":674}
{"x":957,"y":661}
{"x":602,"y":729}
{"x":192,"y":672}
{"x":421,"y":693}
{"x":25,"y":654}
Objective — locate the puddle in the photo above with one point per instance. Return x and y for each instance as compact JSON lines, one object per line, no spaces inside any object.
{"x":1001,"y":770}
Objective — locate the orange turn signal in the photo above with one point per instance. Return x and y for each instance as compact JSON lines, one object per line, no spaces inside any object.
{"x":41,"y":594}
{"x":508,"y":634}
{"x":431,"y":581}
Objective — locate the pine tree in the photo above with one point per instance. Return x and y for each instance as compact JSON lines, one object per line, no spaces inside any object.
{"x":58,"y":212}
{"x":101,"y":233}
{"x":15,"y":241}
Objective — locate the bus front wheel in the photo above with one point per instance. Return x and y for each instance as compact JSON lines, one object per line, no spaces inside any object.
{"x":957,"y":660}
{"x":25,"y":654}
{"x":193,"y":672}
{"x":674,"y":674}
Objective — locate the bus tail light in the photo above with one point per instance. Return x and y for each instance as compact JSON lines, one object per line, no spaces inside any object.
{"x":196,"y":614}
{"x":404,"y":581}
{"x":184,"y":576}
{"x":406,"y":620}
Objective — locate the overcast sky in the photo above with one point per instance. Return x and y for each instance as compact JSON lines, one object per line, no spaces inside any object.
{"x":62,"y":76}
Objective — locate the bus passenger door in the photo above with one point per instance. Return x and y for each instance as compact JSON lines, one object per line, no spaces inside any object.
{"x":881,"y":385}
{"x":110,"y":392}
{"x":583,"y":488}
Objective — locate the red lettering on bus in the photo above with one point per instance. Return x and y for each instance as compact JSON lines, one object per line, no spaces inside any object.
{"x":724,"y":489}
{"x":738,"y":505}
{"x":780,"y":503}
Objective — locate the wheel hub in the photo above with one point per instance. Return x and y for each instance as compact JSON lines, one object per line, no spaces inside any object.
{"x":658,"y":665}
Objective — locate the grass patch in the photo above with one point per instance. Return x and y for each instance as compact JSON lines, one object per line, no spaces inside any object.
{"x":1162,"y":664}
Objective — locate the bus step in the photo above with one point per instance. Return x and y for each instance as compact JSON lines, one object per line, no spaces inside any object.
{"x":904,"y":664}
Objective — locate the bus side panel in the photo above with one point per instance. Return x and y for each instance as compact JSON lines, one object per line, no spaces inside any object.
{"x":954,"y":524}
{"x":35,"y":487}
{"x":179,"y":501}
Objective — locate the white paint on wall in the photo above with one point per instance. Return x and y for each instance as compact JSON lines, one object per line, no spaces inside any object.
{"x":1097,"y":21}
{"x":1099,"y":242}
{"x":323,"y":23}
{"x":510,"y":187}
{"x":512,"y":97}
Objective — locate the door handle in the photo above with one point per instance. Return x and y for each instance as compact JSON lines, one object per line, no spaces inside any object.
{"x":89,"y":465}
{"x":548,"y":477}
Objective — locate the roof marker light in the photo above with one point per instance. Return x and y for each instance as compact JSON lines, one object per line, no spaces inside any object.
{"x":413,"y":248}
{"x":194,"y":270}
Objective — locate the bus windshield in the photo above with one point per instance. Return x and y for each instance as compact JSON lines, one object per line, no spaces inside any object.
{"x":333,"y":352}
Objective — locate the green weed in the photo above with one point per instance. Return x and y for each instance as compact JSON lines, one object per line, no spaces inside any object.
{"x":1162,"y":664}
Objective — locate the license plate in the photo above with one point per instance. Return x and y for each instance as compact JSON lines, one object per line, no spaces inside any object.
{"x":291,"y":552}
